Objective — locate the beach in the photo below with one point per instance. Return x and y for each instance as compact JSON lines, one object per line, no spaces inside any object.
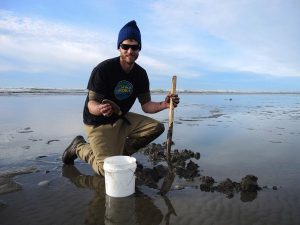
{"x":235,"y":134}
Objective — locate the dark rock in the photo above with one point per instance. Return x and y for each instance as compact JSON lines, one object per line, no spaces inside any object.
{"x":161,"y":171}
{"x":148,"y":177}
{"x":206,"y":188}
{"x":209,"y":181}
{"x":249,"y":183}
{"x":226,"y":186}
{"x":189,"y":172}
{"x":197,"y":155}
{"x":192,"y":166}
{"x":139,"y":166}
{"x":156,"y":153}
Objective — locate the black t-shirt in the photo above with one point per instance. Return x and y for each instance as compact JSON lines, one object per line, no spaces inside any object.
{"x":109,"y":80}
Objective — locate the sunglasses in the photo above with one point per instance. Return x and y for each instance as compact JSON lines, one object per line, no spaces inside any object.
{"x":133,"y":47}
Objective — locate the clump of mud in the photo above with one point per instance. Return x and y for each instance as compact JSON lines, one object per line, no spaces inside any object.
{"x":248,"y":187}
{"x":183,"y":162}
{"x":155,"y":152}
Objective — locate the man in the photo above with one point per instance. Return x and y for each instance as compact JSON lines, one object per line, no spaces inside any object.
{"x":113,"y":88}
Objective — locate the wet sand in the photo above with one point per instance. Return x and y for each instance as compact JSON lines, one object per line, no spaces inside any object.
{"x":247,"y":135}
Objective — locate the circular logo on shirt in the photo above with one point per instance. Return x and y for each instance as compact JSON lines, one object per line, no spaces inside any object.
{"x":123,"y":90}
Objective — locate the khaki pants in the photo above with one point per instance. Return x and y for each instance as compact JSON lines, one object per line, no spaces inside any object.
{"x":119,"y":138}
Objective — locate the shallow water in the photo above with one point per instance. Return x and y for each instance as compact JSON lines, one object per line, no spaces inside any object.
{"x":235,"y":134}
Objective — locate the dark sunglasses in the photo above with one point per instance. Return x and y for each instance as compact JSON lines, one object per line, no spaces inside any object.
{"x":133,"y":47}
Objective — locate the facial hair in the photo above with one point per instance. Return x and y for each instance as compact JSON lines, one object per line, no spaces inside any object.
{"x":129,"y":58}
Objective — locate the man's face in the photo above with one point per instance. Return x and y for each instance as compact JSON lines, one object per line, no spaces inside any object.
{"x":129,"y":51}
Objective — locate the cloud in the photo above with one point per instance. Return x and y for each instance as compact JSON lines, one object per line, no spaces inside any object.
{"x":251,"y":36}
{"x":36,"y":46}
{"x":189,"y":39}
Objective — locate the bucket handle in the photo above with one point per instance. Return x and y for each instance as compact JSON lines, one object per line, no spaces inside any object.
{"x":130,"y":179}
{"x":133,"y":176}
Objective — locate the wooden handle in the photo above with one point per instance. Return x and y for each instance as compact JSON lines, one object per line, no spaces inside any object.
{"x":171,"y":120}
{"x":171,"y":109}
{"x":169,"y":178}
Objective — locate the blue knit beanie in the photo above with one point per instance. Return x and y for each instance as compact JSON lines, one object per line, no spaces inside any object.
{"x":130,"y":31}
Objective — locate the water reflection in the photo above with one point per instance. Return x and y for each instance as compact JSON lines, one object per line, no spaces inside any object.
{"x":136,"y":209}
{"x":247,"y":196}
{"x":120,"y":211}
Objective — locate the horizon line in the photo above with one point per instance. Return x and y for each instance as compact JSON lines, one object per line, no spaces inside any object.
{"x":34,"y":90}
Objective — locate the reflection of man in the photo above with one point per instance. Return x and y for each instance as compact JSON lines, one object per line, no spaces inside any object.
{"x":137,"y":209}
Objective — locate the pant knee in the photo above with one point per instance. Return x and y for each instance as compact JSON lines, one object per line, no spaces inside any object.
{"x":160,"y":128}
{"x":156,"y":132}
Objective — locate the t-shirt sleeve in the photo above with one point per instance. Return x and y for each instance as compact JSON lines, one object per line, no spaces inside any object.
{"x":95,"y":96}
{"x":97,"y":82}
{"x":144,"y":89}
{"x":144,"y":86}
{"x":144,"y":98}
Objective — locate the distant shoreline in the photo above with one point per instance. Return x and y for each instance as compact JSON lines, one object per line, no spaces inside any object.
{"x":49,"y":91}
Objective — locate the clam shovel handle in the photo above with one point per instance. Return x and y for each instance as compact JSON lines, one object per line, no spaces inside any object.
{"x":171,"y":121}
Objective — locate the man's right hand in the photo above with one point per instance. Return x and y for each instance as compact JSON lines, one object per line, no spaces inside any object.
{"x":99,"y":109}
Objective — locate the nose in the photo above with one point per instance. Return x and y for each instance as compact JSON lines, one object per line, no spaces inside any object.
{"x":130,"y":50}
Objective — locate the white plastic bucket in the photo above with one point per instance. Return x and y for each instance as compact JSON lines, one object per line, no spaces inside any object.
{"x":119,"y":175}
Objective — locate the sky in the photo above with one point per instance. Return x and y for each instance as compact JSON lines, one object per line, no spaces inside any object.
{"x":232,"y":45}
